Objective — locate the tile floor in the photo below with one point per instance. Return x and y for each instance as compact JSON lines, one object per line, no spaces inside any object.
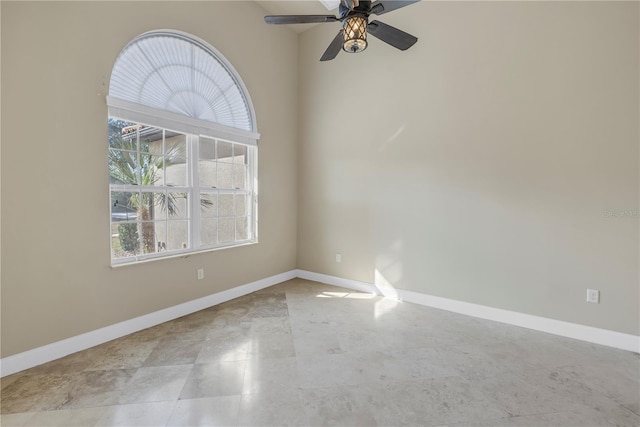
{"x":304,"y":353}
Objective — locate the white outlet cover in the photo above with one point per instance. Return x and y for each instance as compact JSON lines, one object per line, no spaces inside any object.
{"x":593,"y":296}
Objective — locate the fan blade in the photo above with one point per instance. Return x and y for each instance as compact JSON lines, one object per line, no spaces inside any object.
{"x":391,"y":35}
{"x":381,"y":7}
{"x":334,"y":48}
{"x":299,"y":19}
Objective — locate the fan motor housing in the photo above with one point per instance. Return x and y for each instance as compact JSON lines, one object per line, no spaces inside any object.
{"x":364,"y":8}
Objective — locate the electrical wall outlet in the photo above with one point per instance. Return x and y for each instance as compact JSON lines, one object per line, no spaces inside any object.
{"x":200,"y":273}
{"x":593,"y":296}
{"x":338,"y":258}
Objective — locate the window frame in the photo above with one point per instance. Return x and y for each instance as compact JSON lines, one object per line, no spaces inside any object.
{"x":195,"y":130}
{"x":194,"y":190}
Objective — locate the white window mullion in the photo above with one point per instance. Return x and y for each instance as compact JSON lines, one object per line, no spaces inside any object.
{"x":139,"y":191}
{"x":130,"y":188}
{"x":193,"y":159}
{"x":164,"y":158}
{"x":163,"y":184}
{"x":166,"y":234}
{"x":138,"y":175}
{"x":235,"y":214}
{"x":252,"y":177}
{"x":217,"y":194}
{"x":235,"y":192}
{"x":139,"y":223}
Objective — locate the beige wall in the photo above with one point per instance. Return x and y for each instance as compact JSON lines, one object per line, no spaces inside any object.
{"x":492,"y":163}
{"x":56,"y":63}
{"x":479,"y":165}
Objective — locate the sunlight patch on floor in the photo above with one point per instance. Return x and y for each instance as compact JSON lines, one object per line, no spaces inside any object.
{"x":349,"y":295}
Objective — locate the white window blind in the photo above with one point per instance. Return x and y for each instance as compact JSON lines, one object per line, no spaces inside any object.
{"x":171,"y":72}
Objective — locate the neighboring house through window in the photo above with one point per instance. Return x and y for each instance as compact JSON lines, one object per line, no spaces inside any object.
{"x":182,"y":150}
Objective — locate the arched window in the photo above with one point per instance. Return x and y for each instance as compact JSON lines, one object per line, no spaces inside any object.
{"x":182,"y":150}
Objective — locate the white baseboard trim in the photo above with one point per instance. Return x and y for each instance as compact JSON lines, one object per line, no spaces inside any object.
{"x":37,"y":356}
{"x":557,"y":327}
{"x":338,"y":281}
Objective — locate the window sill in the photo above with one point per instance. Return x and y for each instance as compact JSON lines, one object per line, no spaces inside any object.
{"x":182,"y":254}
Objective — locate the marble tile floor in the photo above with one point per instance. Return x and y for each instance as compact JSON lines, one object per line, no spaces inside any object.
{"x":304,"y":353}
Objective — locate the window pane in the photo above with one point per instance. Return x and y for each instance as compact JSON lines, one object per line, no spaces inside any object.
{"x":122,"y":134}
{"x":148,"y":237}
{"x":207,"y":174}
{"x":153,"y":206}
{"x":123,"y":206}
{"x":177,"y":235}
{"x":177,"y":205}
{"x":209,"y":231}
{"x":150,"y":139}
{"x":239,"y":154}
{"x":242,"y":228}
{"x":241,"y":204}
{"x":225,"y":205}
{"x":125,"y":241}
{"x":161,"y":236}
{"x":226,"y":230}
{"x":151,"y":169}
{"x":123,"y":167}
{"x":175,"y":145}
{"x":207,"y":149}
{"x":208,"y":205}
{"x":225,"y":175}
{"x":176,"y":159}
{"x":175,"y":172}
{"x":225,"y":152}
{"x":239,"y":176}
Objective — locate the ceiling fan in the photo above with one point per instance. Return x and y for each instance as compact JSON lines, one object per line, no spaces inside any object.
{"x":354,"y":15}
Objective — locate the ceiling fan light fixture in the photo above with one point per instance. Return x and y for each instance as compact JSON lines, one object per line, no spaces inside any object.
{"x":355,"y":34}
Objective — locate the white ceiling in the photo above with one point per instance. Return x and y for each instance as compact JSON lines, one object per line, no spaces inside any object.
{"x":296,"y":7}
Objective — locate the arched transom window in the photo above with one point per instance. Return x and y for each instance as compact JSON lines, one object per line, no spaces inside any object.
{"x":182,"y":150}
